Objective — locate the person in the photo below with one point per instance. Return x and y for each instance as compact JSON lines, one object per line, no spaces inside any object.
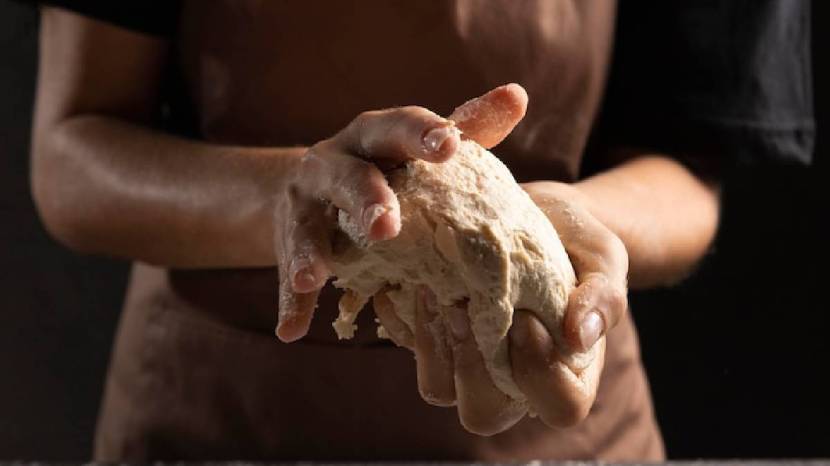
{"x":210,"y":143}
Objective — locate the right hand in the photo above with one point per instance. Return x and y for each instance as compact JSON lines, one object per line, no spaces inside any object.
{"x":342,"y":172}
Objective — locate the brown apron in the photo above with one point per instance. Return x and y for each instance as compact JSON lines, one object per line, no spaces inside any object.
{"x":196,"y":372}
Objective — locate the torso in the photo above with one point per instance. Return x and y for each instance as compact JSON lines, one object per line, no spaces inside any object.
{"x":284,"y":73}
{"x":292,"y":73}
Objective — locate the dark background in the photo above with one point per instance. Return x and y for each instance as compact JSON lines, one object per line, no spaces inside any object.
{"x":737,"y":356}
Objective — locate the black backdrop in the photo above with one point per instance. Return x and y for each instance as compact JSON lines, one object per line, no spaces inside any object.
{"x":736,"y":356}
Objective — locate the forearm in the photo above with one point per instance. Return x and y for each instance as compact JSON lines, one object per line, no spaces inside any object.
{"x":106,"y":186}
{"x":665,"y":215}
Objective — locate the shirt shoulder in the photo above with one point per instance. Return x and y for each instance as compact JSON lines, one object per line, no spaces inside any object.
{"x":729,"y":81}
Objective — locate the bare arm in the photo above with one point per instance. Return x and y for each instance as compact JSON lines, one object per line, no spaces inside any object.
{"x":105,"y":182}
{"x":648,"y":218}
{"x":665,"y":215}
{"x":107,"y":186}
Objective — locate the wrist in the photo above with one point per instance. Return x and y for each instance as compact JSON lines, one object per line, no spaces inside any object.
{"x":276,"y":172}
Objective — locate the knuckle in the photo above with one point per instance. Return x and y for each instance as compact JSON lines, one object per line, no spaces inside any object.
{"x":396,"y":127}
{"x":386,"y":132}
{"x":415,"y":111}
{"x":361,"y":121}
{"x":607,"y":253}
{"x":617,"y":248}
{"x":618,"y":300}
{"x":366,"y":117}
{"x":312,"y":155}
{"x":415,"y":120}
{"x":360,"y":130}
{"x":611,"y":247}
{"x":414,"y":114}
{"x":618,"y":264}
{"x":411,"y":109}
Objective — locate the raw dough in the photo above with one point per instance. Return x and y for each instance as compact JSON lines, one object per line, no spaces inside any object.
{"x":469,"y":233}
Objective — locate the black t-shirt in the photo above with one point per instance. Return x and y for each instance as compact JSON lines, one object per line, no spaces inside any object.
{"x":729,"y":78}
{"x":715,"y":83}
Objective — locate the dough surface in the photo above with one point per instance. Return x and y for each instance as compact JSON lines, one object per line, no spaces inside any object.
{"x":470,"y":233}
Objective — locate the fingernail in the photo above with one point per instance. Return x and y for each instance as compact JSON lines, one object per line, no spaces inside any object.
{"x":372,"y":213}
{"x":436,"y":137}
{"x":590,"y":329}
{"x":459,"y":322}
{"x":302,"y":275}
{"x":304,"y":279}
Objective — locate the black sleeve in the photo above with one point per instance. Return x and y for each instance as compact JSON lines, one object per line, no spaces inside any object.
{"x":716,"y":83}
{"x":153,"y":17}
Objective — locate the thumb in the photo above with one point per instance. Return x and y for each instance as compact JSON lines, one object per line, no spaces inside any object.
{"x":488,"y":119}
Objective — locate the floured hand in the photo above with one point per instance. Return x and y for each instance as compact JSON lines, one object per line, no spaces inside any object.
{"x":457,"y":363}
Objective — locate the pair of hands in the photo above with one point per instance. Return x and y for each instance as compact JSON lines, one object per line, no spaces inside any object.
{"x":344,"y":172}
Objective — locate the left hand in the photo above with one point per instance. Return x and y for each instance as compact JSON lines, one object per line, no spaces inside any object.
{"x":595,"y":306}
{"x":450,"y":367}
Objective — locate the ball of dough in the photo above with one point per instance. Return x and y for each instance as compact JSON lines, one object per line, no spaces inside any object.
{"x":470,"y":233}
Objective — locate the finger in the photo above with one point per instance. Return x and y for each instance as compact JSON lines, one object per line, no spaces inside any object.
{"x":398,"y":331}
{"x":353,"y":185}
{"x":593,"y":307}
{"x":400,"y":133}
{"x":482,"y":408}
{"x":295,"y":312}
{"x":560,"y":397}
{"x":592,"y":247}
{"x":490,"y":118}
{"x":432,"y":353}
{"x":306,"y":244}
{"x":600,"y":261}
